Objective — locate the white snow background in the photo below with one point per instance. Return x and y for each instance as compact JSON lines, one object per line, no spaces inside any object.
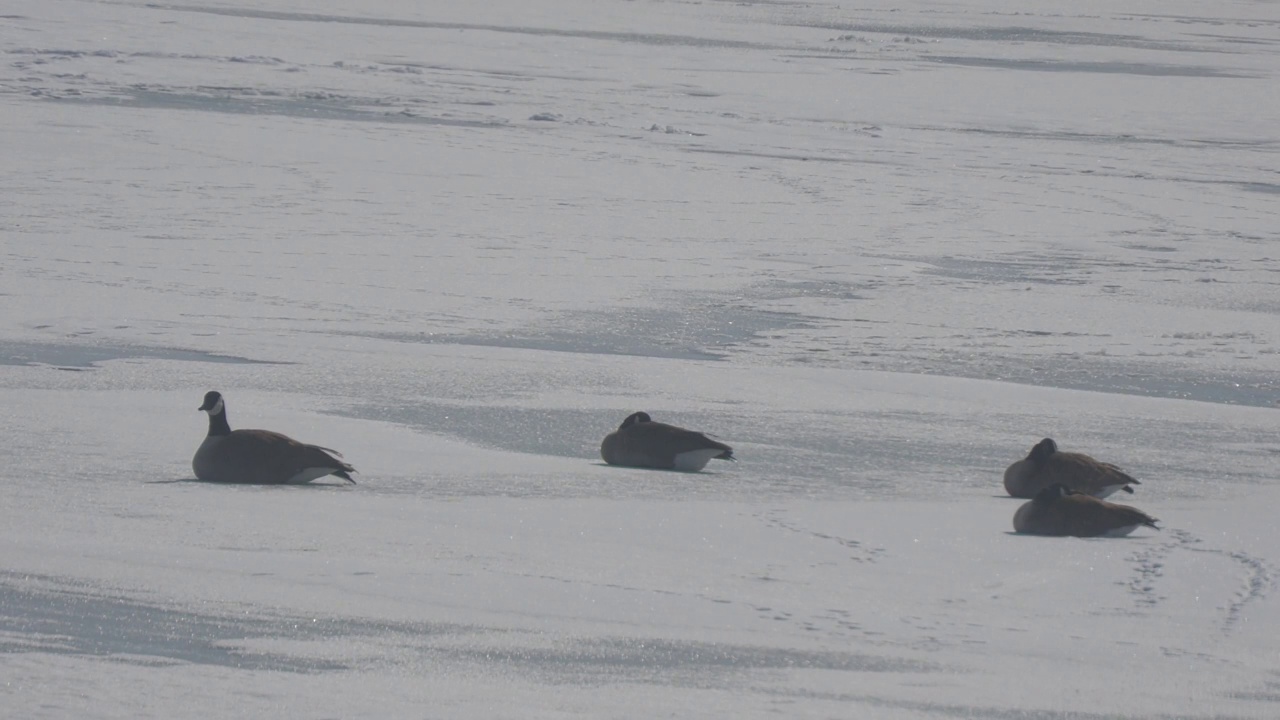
{"x":880,"y":248}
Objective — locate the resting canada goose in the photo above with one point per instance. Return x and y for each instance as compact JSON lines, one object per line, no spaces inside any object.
{"x":259,"y":456}
{"x":1057,"y":510}
{"x":641,"y":442}
{"x":1044,"y":466}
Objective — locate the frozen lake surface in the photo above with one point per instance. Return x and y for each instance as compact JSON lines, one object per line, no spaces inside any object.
{"x":881,"y":250}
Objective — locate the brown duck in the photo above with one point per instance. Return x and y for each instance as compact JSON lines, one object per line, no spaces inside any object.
{"x":1057,"y":510}
{"x":641,"y":442}
{"x":1045,"y":465}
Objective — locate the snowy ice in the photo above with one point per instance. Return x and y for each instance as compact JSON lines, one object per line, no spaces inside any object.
{"x":881,"y":249}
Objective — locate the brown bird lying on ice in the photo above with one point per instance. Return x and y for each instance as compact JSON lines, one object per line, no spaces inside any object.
{"x":1045,"y":465}
{"x":259,"y":456}
{"x":641,"y":442}
{"x":1057,"y":510}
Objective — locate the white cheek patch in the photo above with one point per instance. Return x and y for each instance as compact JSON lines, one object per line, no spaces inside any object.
{"x":217,"y":408}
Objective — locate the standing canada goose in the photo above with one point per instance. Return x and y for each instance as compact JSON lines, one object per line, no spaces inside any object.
{"x":1057,"y":510}
{"x":1044,"y":466}
{"x":641,"y":442}
{"x":259,"y":456}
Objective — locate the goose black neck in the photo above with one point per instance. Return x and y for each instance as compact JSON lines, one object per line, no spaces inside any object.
{"x":218,"y":424}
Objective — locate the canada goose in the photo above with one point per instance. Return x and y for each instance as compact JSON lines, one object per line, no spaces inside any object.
{"x":1057,"y":510}
{"x":641,"y":442}
{"x":1044,"y":466}
{"x":259,"y":456}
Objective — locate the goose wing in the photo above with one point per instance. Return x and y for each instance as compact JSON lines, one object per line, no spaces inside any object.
{"x":1091,"y":517}
{"x":271,"y":457}
{"x":1081,"y":472}
{"x":674,"y":440}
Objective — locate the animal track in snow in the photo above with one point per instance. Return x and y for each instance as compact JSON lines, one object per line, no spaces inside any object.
{"x":1259,"y":580}
{"x":1150,"y":568}
{"x":861,"y":553}
{"x":1259,"y":577}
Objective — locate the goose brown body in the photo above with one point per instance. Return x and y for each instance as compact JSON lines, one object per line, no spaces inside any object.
{"x":641,"y":442}
{"x":1045,"y":465}
{"x":1060,"y":511}
{"x":259,"y":456}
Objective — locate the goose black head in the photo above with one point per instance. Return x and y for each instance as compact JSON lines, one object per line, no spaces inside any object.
{"x":212,"y":402}
{"x":1042,"y":451}
{"x":635,"y":419}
